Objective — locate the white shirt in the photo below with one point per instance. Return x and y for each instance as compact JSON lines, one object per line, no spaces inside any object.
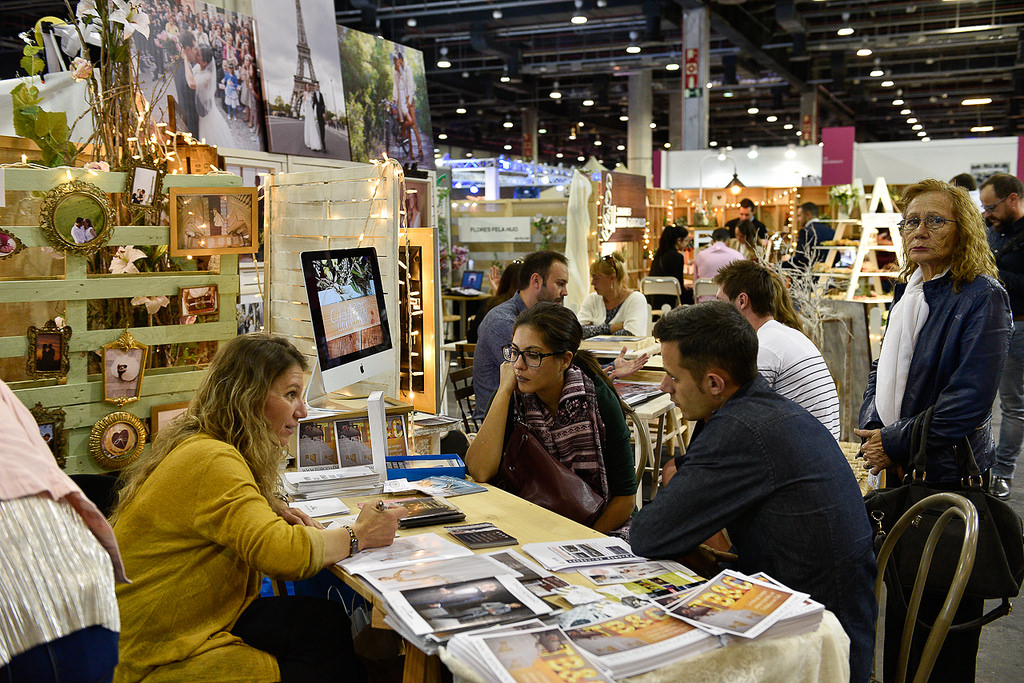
{"x":632,"y":313}
{"x":795,"y":369}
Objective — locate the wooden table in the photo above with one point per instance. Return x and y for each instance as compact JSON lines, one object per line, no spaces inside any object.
{"x":462,"y":302}
{"x":529,"y":523}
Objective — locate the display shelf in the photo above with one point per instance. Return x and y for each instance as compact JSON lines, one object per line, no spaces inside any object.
{"x":865,"y":263}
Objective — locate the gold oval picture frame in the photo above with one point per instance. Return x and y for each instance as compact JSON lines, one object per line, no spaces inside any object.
{"x":76,"y":218}
{"x":116,"y":440}
{"x":9,"y":245}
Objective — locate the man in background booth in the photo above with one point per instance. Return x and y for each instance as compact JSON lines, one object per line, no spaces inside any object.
{"x":710,"y":260}
{"x":747,"y":214}
{"x":813,"y":233}
{"x":543,"y":276}
{"x":764,"y":470}
{"x":1002,"y":200}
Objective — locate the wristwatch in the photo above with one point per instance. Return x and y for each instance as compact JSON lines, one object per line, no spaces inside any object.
{"x":353,"y":547}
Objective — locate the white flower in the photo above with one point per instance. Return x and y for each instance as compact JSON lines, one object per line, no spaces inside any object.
{"x":81,"y":69}
{"x":58,"y":321}
{"x":97,"y":166}
{"x":152,"y":303}
{"x":187,"y":320}
{"x":124,"y":259}
{"x":86,"y":8}
{"x":129,"y":16}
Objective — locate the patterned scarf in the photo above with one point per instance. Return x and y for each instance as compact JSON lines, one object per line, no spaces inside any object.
{"x":575,"y":433}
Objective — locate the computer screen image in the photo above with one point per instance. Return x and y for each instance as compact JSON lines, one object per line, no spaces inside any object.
{"x":472,"y":279}
{"x":348,"y":314}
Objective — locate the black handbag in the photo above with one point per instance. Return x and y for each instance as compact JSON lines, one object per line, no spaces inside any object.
{"x":999,"y":565}
{"x":530,"y":472}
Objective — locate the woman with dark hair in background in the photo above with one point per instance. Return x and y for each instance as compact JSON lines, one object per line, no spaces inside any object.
{"x":501,"y":292}
{"x":562,"y":394}
{"x":669,"y":261}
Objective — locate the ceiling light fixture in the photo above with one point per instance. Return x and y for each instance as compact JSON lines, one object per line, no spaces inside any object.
{"x":752,"y":110}
{"x":727,"y":93}
{"x":921,"y":134}
{"x":845,"y":31}
{"x":555,"y":93}
{"x":442,"y":136}
{"x":982,"y":129}
{"x":588,"y":103}
{"x":898,"y":102}
{"x":772,"y":119}
{"x":864,"y":52}
{"x":505,"y":78}
{"x":668,"y":145}
{"x":904,"y":112}
{"x":597,"y":143}
{"x":623,"y":117}
{"x":713,"y":143}
{"x":752,"y":154}
{"x":912,"y":119}
{"x":633,"y":48}
{"x":578,"y":17}
{"x":443,"y":62}
{"x":559,"y":155}
{"x":580,"y":158}
{"x":926,"y":139}
{"x":735,"y":186}
{"x":508,"y":147}
{"x":508,"y":121}
{"x":976,"y":100}
{"x":887,"y":84}
{"x":653,"y":125}
{"x":411,"y":22}
{"x":621,"y":148}
{"x":460,"y":110}
{"x":542,"y":131}
{"x":496,"y":14}
{"x":788,"y":126}
{"x":916,"y":126}
{"x":672,"y":66}
{"x":790,"y":151}
{"x":876,"y":73}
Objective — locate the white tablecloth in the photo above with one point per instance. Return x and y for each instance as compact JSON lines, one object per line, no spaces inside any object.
{"x":821,"y":655}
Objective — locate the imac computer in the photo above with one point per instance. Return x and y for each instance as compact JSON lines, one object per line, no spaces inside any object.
{"x":350,"y":321}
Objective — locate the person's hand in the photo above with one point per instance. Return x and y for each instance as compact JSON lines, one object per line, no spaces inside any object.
{"x":376,"y":528}
{"x":298,"y":517}
{"x":667,"y":472}
{"x":615,"y":327}
{"x":625,"y":368}
{"x":494,"y":276}
{"x":872,"y":450}
{"x":508,"y":376}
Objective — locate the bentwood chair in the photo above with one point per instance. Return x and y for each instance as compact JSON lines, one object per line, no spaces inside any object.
{"x":642,"y":451}
{"x":662,"y":285}
{"x":462,"y":384}
{"x":955,"y":506}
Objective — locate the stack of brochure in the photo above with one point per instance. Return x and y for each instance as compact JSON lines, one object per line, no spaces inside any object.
{"x":562,"y":555}
{"x":635,"y":393}
{"x":342,"y":481}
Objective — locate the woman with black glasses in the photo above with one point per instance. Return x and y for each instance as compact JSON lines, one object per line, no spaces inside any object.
{"x":565,"y":398}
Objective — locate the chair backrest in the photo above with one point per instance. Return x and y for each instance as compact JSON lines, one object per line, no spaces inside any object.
{"x":462,"y":385}
{"x":704,"y":287}
{"x":661,"y":285}
{"x":955,"y":506}
{"x":465,"y":352}
{"x":642,"y":451}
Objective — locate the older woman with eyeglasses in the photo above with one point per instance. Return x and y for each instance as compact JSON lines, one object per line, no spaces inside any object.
{"x":613,"y":308}
{"x":562,"y":394}
{"x":944,"y":347}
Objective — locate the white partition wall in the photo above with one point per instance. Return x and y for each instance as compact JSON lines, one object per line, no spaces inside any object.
{"x":331,"y":209}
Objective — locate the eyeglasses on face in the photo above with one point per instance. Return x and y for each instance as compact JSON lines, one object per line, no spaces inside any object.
{"x":533,"y":359}
{"x":908,"y":225}
{"x":989,"y":208}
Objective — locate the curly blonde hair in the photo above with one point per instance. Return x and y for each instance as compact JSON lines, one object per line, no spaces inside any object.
{"x":971,"y":255}
{"x":227,"y":406}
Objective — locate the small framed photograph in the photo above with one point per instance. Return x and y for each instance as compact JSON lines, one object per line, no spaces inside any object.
{"x":161,"y":416}
{"x":116,"y":440}
{"x":318,"y":448}
{"x":51,"y":428}
{"x":76,"y":218}
{"x":124,"y":364}
{"x":143,"y":185}
{"x":208,"y":221}
{"x":198,"y":300}
{"x":48,"y":351}
{"x":9,"y":245}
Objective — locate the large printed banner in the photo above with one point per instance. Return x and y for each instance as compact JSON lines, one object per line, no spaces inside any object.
{"x":497,"y":229}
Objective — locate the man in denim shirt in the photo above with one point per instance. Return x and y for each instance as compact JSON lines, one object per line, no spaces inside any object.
{"x":764,"y":469}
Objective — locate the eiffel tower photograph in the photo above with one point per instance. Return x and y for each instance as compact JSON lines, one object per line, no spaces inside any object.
{"x":302,"y":84}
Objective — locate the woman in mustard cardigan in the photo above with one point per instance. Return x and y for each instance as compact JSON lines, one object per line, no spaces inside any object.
{"x":198,"y":522}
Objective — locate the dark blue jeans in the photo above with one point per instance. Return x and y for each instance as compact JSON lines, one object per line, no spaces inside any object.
{"x":86,"y":656}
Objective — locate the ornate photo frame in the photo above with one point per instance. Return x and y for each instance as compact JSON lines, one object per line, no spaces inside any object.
{"x":199,"y":300}
{"x":9,"y":245}
{"x":51,"y":428}
{"x":76,"y":218}
{"x":207,"y":220}
{"x":124,"y":364}
{"x":48,"y":348}
{"x":116,"y":440}
{"x":143,"y":189}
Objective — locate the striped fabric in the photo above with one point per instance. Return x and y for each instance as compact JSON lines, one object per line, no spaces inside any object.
{"x":795,"y":369}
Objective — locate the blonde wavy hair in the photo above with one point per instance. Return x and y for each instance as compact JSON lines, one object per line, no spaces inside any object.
{"x":614,"y":265}
{"x":227,"y":406}
{"x":971,"y":255}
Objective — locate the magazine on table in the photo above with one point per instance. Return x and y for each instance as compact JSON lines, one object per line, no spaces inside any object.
{"x":640,"y":641}
{"x":561,"y":555}
{"x":482,"y":535}
{"x":425,"y":511}
{"x":801,"y":617}
{"x":735,"y":604}
{"x":446,"y":487}
{"x":527,"y":656}
{"x":437,"y":572}
{"x":403,"y":552}
{"x":633,"y":571}
{"x":321,"y":507}
{"x":444,"y":610}
{"x":537,"y":580}
{"x":635,"y":393}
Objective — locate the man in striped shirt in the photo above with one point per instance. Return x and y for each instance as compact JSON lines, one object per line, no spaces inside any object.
{"x":786,"y":357}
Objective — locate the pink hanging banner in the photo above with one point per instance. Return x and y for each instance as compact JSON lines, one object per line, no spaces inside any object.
{"x":837,"y":155}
